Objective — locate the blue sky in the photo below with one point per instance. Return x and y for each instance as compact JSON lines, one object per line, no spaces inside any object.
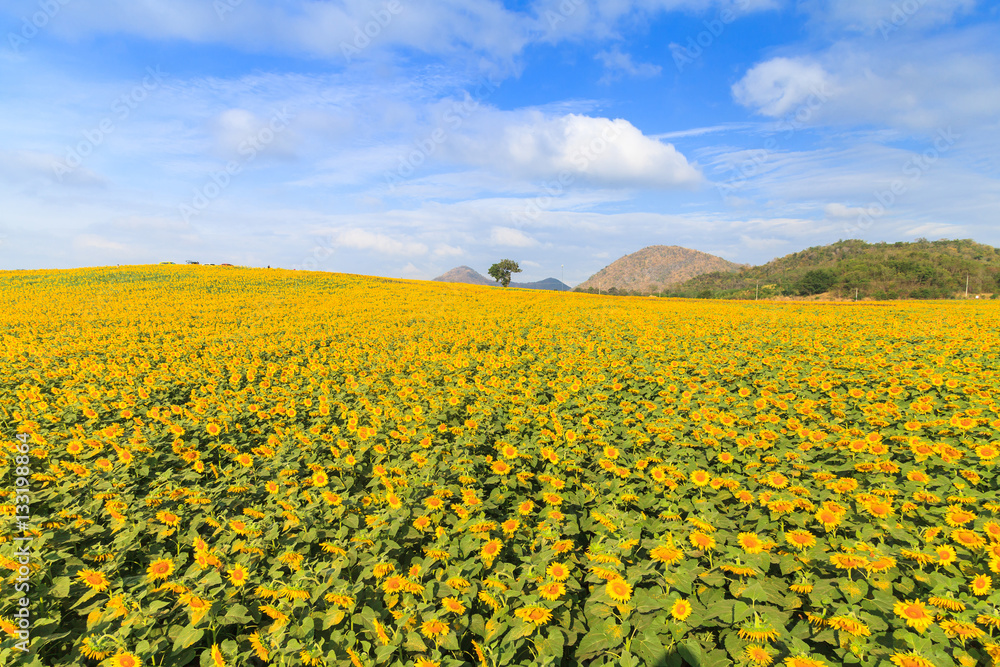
{"x":405,"y":137}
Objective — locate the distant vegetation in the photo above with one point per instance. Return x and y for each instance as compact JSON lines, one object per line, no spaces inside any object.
{"x":848,"y":269}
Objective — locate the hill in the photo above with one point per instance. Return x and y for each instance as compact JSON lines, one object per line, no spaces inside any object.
{"x":548,"y":283}
{"x":919,"y":270}
{"x":654,"y":268}
{"x":466,"y":274}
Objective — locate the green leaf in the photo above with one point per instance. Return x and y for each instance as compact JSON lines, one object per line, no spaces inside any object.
{"x":649,"y":648}
{"x":60,"y":587}
{"x":692,"y":652}
{"x":186,"y":637}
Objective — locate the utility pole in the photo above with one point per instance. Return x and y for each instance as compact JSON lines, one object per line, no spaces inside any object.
{"x":966,"y":285}
{"x":756,"y":291}
{"x":855,"y":293}
{"x":562,"y":268}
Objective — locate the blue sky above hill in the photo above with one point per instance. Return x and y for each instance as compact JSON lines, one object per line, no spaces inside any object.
{"x":405,"y":137}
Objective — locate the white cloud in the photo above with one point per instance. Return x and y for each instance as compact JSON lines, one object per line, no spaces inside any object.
{"x":884,"y":17}
{"x":779,"y":85}
{"x":360,"y":239}
{"x":25,"y":165}
{"x":618,"y":64}
{"x":840,"y":211}
{"x":573,"y":149}
{"x":507,"y":236}
{"x":445,"y":250}
{"x":909,"y":82}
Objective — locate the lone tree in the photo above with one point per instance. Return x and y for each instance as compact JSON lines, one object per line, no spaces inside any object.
{"x":501,"y":271}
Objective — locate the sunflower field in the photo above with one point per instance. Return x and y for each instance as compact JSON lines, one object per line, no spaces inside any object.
{"x":224,"y":466}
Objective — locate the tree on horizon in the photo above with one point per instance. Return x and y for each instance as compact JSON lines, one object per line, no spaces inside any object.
{"x":502,"y":270}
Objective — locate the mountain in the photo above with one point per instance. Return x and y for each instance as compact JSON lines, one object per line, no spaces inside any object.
{"x":855,"y":269}
{"x":548,"y":283}
{"x":465,"y":274}
{"x":654,"y":268}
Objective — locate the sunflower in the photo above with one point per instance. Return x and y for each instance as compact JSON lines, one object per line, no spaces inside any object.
{"x":981,"y":585}
{"x":618,"y":590}
{"x":848,"y":561}
{"x":666,"y":554}
{"x":535,"y":615}
{"x":803,"y":661}
{"x":956,"y":516}
{"x":433,"y":628}
{"x":552,"y":590}
{"x":94,"y":580}
{"x":160,"y":569}
{"x":914,"y":613}
{"x":126,"y":660}
{"x":453,"y":605}
{"x":947,"y":603}
{"x":196,"y":606}
{"x":945,"y":554}
{"x":700,"y":477}
{"x":800,"y":539}
{"x":758,"y":631}
{"x":758,"y":655}
{"x":702,"y":541}
{"x":213,"y":429}
{"x":217,"y":659}
{"x":750,"y":543}
{"x":849,"y":625}
{"x":681,"y":609}
{"x":491,"y":550}
{"x":427,"y":662}
{"x":557,"y":571}
{"x":968,"y":538}
{"x":394,"y":584}
{"x":238,"y":575}
{"x":168,"y":518}
{"x":962,"y":631}
{"x":827,"y":518}
{"x":910,"y":660}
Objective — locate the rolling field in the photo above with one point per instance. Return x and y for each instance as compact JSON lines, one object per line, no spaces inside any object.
{"x":226,"y":466}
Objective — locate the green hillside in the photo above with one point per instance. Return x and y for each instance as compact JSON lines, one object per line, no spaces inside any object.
{"x":919,"y":270}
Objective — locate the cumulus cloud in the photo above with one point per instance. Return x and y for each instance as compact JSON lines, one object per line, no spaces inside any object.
{"x":777,"y":86}
{"x":908,"y":82}
{"x":574,"y":149}
{"x":508,"y":236}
